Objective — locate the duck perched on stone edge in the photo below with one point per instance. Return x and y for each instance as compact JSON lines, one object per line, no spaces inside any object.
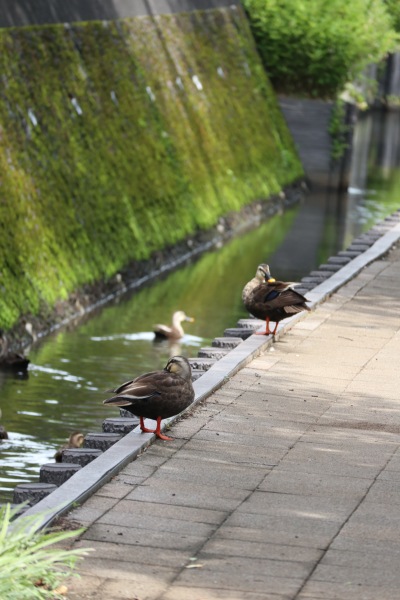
{"x":266,"y":298}
{"x":157,"y":395}
{"x":175,"y":332}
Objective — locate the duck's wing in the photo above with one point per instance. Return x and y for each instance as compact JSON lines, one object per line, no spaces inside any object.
{"x":162,"y":329}
{"x":288,"y":299}
{"x":132,"y":392}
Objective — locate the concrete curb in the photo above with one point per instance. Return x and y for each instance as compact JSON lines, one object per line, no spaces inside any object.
{"x":91,"y":477}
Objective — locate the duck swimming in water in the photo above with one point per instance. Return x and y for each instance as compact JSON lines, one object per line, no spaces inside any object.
{"x":9,"y":359}
{"x":157,"y":395}
{"x":266,"y":298}
{"x":175,"y":332}
{"x":3,"y":432}
{"x":75,"y":440}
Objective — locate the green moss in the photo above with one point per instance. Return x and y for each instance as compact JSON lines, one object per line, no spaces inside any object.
{"x":109,"y":151}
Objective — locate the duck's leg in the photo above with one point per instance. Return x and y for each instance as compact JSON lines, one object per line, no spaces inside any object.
{"x":158,"y":431}
{"x":267,"y":329}
{"x":276,"y":327}
{"x":143,"y":428}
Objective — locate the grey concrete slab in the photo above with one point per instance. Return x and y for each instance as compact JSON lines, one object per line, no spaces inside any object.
{"x":206,"y":593}
{"x":241,"y":575}
{"x":288,"y":505}
{"x":220,"y":474}
{"x":141,"y":510}
{"x":321,"y":590}
{"x":138,"y":536}
{"x":324,"y":484}
{"x":146,"y":555}
{"x":231,"y":547}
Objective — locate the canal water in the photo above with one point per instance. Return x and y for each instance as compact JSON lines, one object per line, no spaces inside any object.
{"x":71,"y":369}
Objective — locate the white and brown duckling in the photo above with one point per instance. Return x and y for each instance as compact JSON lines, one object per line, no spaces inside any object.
{"x":3,"y":431}
{"x":175,"y":332}
{"x":75,"y":440}
{"x":157,"y":395}
{"x":271,"y":300}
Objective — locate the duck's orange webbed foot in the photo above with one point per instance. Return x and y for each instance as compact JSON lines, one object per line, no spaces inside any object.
{"x":267,"y":329}
{"x":161,"y":435}
{"x":143,"y":428}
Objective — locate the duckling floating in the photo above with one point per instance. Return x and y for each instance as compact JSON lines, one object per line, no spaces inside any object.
{"x":75,"y":440}
{"x":175,"y":332}
{"x":157,"y":395}
{"x":266,"y":298}
{"x":3,"y":432}
{"x":9,"y":359}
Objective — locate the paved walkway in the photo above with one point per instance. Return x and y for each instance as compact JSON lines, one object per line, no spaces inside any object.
{"x":285,"y":484}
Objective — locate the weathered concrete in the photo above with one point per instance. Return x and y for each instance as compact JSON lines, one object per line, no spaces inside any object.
{"x":20,"y":13}
{"x":283,"y":485}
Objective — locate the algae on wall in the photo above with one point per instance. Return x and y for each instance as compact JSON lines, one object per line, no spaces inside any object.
{"x":120,"y":138}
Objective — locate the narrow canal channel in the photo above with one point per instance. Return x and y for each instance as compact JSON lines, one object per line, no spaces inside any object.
{"x":70,"y":370}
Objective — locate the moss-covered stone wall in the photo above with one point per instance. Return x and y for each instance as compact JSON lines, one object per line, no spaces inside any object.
{"x":120,"y":138}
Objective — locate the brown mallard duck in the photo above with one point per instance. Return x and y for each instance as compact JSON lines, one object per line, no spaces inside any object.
{"x":175,"y":332}
{"x":157,"y":395}
{"x":266,"y":298}
{"x":10,"y":359}
{"x":3,"y":431}
{"x":75,"y":440}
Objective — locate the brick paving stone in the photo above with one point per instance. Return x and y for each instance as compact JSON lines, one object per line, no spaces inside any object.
{"x":132,"y":536}
{"x":164,"y":489}
{"x":238,"y":575}
{"x":143,"y":554}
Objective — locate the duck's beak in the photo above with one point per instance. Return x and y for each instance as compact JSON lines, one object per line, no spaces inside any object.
{"x":271,"y":280}
{"x":190,"y":319}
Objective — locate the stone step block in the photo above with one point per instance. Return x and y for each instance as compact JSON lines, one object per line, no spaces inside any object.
{"x":120,"y":425}
{"x":215,"y":353}
{"x":350,"y":253}
{"x":32,"y":492}
{"x":321,"y":275}
{"x":201,"y":364}
{"x":253,"y":324}
{"x":236,"y":332}
{"x":339,"y":260}
{"x":101,"y":441}
{"x":358,"y":247}
{"x":80,"y":456}
{"x":57,"y":473}
{"x":226,"y":342}
{"x":330,"y":267}
{"x":196,"y":373}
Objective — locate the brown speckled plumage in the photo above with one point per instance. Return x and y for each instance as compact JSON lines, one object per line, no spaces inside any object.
{"x":271,"y":300}
{"x":159,"y":394}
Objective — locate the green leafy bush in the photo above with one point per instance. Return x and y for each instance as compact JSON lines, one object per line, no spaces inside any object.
{"x":394,"y":10}
{"x":30,"y":569}
{"x":313,"y":47}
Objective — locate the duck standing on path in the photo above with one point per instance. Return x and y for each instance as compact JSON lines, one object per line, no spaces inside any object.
{"x":75,"y":440}
{"x":175,"y":332}
{"x":157,"y":395}
{"x":266,"y":298}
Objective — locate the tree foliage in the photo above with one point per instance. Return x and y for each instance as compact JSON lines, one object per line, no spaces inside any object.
{"x":314,"y":47}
